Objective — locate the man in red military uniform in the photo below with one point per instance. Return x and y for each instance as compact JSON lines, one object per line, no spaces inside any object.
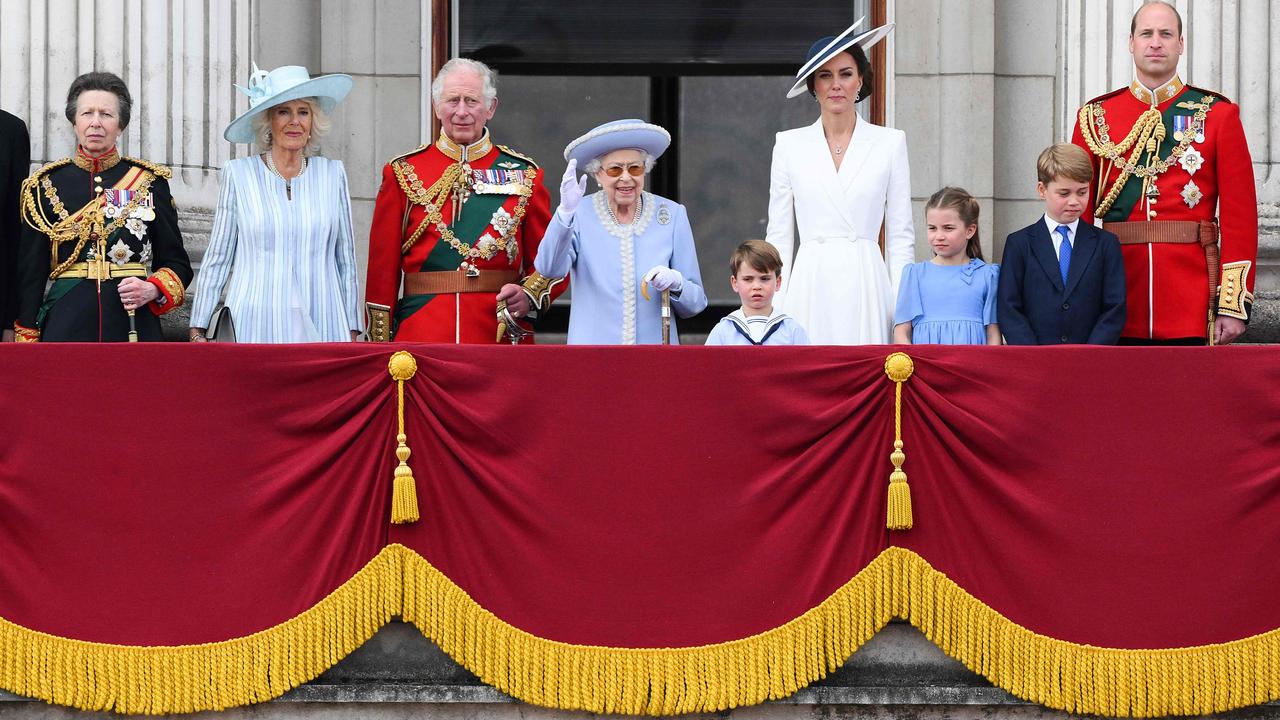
{"x":1174,"y":181}
{"x":460,"y":220}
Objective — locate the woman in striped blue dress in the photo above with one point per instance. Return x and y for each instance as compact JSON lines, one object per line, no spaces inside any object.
{"x":282,"y":245}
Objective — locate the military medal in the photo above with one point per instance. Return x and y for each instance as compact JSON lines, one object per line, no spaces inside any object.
{"x":1191,"y":160}
{"x":1181,"y":124}
{"x":1191,"y":194}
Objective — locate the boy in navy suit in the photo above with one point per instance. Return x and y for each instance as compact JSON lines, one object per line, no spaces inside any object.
{"x":1061,"y":280}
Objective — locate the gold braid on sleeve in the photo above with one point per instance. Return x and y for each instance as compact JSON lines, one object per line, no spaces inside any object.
{"x":538,"y":287}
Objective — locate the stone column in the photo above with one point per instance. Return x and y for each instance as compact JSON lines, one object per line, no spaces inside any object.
{"x":944,"y":85}
{"x":1026,"y":33}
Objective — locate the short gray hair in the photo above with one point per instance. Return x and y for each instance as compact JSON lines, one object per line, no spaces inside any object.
{"x":595,"y":164}
{"x":488,"y":76}
{"x":320,"y":125}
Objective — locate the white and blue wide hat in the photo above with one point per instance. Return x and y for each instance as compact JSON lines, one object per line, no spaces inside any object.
{"x":618,"y":135}
{"x":829,"y":47}
{"x":284,"y":84}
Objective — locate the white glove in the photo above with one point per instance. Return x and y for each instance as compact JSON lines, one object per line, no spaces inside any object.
{"x":572,"y":189}
{"x":664,"y":278}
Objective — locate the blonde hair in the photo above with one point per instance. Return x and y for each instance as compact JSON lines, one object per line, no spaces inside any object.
{"x":966,"y":206}
{"x":760,"y":255}
{"x":320,"y":125}
{"x":1064,"y":160}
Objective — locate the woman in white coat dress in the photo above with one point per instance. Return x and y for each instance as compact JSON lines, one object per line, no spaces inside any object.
{"x":838,"y":180}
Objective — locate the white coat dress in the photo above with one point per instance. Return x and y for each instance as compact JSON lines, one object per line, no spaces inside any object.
{"x":839,"y":287}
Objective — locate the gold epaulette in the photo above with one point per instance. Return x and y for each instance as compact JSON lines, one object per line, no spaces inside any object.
{"x":414,"y":151}
{"x":156,"y":168}
{"x":522,"y":156}
{"x":1212,"y":93}
{"x":45,"y":170}
{"x":1111,"y":94}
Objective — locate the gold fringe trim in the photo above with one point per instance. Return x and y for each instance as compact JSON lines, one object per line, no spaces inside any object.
{"x":213,"y":676}
{"x":662,"y":681}
{"x":637,"y":681}
{"x":1079,"y":678}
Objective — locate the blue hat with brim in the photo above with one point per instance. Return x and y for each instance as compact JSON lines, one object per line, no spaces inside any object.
{"x":285,"y":84}
{"x":828,"y":47}
{"x":618,"y":135}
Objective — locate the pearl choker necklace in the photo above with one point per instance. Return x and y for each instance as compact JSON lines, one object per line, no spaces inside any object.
{"x":288,"y":182}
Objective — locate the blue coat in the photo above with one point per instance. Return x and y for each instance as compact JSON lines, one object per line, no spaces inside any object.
{"x":1035,"y":308}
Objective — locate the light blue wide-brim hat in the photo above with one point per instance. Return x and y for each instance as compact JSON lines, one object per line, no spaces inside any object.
{"x":828,"y":47}
{"x":285,"y":84}
{"x":618,"y":135}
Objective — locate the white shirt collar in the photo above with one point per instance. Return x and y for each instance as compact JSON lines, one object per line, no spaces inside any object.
{"x":1053,"y":230}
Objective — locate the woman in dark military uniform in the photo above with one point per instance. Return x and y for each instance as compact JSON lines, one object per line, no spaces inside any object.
{"x":103,"y":228}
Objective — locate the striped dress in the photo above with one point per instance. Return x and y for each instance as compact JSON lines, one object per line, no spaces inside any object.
{"x":288,"y":266}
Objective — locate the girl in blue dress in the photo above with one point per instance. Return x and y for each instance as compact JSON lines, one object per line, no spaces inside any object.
{"x":951,"y":299}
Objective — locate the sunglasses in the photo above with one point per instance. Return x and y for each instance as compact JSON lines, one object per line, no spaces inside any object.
{"x":634,"y":170}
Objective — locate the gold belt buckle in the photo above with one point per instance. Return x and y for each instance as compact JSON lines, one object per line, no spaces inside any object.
{"x":98,"y":269}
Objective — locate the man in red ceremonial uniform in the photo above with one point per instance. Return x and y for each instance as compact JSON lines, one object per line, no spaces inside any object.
{"x":1174,"y":181}
{"x":460,"y":220}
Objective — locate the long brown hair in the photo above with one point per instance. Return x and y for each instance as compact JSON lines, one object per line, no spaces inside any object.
{"x":966,"y":206}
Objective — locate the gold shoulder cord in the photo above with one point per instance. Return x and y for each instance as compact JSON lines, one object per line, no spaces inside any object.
{"x":1144,"y":137}
{"x":431,"y":198}
{"x":155,"y":168}
{"x":67,"y":228}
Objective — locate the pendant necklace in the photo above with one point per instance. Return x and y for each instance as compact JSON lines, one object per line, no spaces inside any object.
{"x":288,"y":182}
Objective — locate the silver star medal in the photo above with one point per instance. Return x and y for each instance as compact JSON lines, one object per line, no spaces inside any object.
{"x":1191,"y":194}
{"x":120,"y":252}
{"x":1191,"y":160}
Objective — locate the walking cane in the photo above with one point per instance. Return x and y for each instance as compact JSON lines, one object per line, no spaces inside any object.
{"x":666,"y":317}
{"x":666,"y":311}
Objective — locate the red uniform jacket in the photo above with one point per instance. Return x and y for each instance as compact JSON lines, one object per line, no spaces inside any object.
{"x":1210,"y":177}
{"x":501,"y":223}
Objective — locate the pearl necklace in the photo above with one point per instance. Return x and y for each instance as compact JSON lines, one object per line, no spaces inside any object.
{"x":639,"y":209}
{"x":288,"y":182}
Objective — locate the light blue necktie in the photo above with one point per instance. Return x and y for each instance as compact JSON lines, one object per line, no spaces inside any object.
{"x":1064,"y":252}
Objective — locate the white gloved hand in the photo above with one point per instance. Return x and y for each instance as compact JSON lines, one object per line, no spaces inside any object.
{"x":664,"y":278}
{"x":572,"y":188}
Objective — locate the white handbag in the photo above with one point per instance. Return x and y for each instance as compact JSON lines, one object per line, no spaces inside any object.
{"x":221,"y":327}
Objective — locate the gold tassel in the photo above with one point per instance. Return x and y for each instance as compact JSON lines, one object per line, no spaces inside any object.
{"x":404,"y":492}
{"x":898,"y":367}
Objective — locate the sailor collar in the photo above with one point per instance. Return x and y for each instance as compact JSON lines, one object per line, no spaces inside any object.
{"x":1167,"y":91}
{"x":102,"y":163}
{"x":474,"y":151}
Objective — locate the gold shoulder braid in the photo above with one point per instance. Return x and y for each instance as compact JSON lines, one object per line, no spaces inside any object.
{"x":522,"y":156}
{"x":1144,"y":137}
{"x":432,"y":198}
{"x":155,"y":168}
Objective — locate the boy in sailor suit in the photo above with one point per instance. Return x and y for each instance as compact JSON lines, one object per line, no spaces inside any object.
{"x":757,"y":275}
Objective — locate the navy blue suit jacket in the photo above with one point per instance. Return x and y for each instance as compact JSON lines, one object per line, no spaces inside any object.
{"x":1035,"y":308}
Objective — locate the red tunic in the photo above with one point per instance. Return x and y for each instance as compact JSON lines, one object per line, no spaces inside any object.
{"x":448,"y":318}
{"x":1168,"y":285}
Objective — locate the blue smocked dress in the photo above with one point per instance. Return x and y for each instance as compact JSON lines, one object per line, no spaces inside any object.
{"x":948,"y":305}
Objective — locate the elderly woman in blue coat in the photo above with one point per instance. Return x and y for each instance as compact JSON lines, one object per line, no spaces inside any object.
{"x":620,"y":244}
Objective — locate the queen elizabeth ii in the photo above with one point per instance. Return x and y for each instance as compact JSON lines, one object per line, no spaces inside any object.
{"x":620,"y":246}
